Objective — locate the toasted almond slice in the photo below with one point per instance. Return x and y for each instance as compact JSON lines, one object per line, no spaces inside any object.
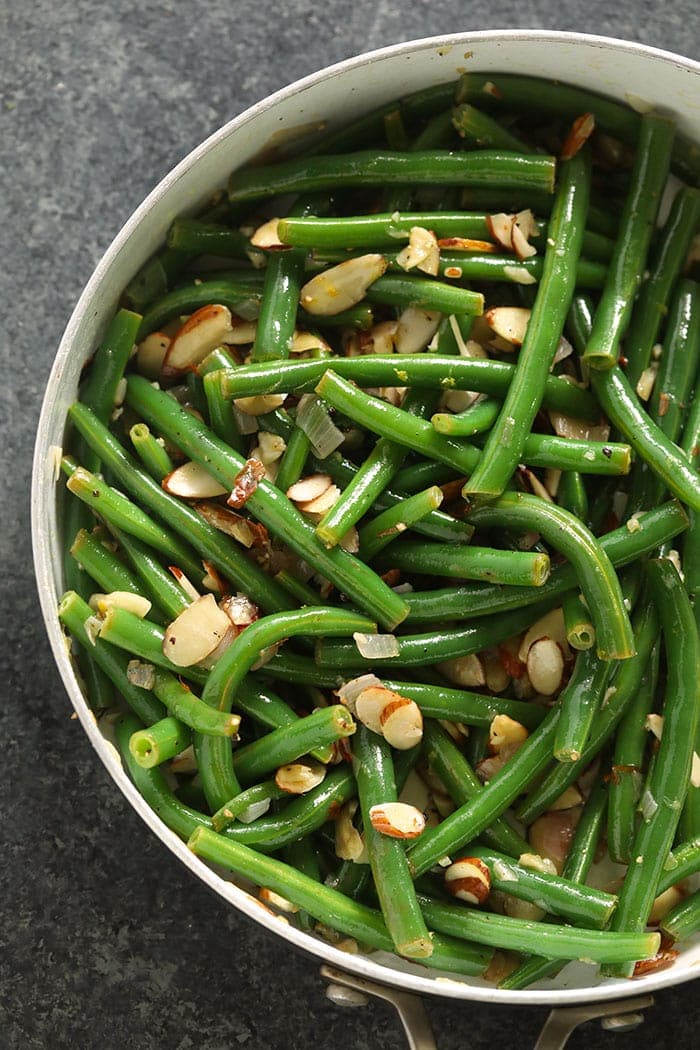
{"x":466,"y":244}
{"x":545,"y":666}
{"x":568,"y":798}
{"x":259,"y":404}
{"x":229,"y":522}
{"x":266,"y":236}
{"x":466,"y":671}
{"x":307,"y":489}
{"x":342,"y":286}
{"x":468,"y":879}
{"x":421,"y":252}
{"x":510,"y":322}
{"x":521,"y":246}
{"x":551,"y":625}
{"x":133,"y":603}
{"x":201,"y":333}
{"x":568,"y":427}
{"x":271,"y":446}
{"x":274,"y":900}
{"x":192,"y":481}
{"x":322,"y":503}
{"x":505,"y":732}
{"x":370,"y":703}
{"x":379,"y":339}
{"x":196,"y":632}
{"x":242,"y":332}
{"x":397,"y":820}
{"x":349,"y":844}
{"x":645,"y":383}
{"x":501,"y":229}
{"x":239,"y":609}
{"x":415,"y":329}
{"x":534,"y":862}
{"x":401,"y":723}
{"x":519,"y":275}
{"x":581,"y":131}
{"x":305,"y":341}
{"x":151,"y":354}
{"x":655,"y":724}
{"x":297,"y":778}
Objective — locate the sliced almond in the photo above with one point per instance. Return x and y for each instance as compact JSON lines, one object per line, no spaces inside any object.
{"x":274,"y":900}
{"x":133,"y":603}
{"x":304,"y":342}
{"x":239,"y":609}
{"x":645,"y":383}
{"x":184,"y":581}
{"x":663,"y":904}
{"x":349,"y":844}
{"x":519,"y":275}
{"x":307,"y":489}
{"x":466,"y":244}
{"x":242,"y":332}
{"x":568,"y":798}
{"x":267,"y":236}
{"x":259,"y":404}
{"x":201,"y":333}
{"x":370,"y":703}
{"x":402,"y":723}
{"x":534,"y":862}
{"x":151,"y":354}
{"x":196,"y":632}
{"x":342,"y":286}
{"x":239,"y":528}
{"x":506,"y":732}
{"x":421,"y":252}
{"x":321,"y":503}
{"x":415,"y":329}
{"x":397,"y":820}
{"x":545,"y":666}
{"x":192,"y":481}
{"x":379,"y":339}
{"x":297,"y":778}
{"x":524,"y":227}
{"x":655,"y":725}
{"x":581,"y":130}
{"x":500,"y":227}
{"x":466,"y":671}
{"x":245,"y":483}
{"x":551,"y":625}
{"x":510,"y":322}
{"x":551,"y":834}
{"x":271,"y":446}
{"x":141,"y":674}
{"x":468,"y":879}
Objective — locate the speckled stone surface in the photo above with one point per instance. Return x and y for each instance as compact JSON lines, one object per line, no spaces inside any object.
{"x":105,"y":941}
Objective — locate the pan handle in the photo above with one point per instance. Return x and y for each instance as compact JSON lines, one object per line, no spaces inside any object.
{"x":346,"y":989}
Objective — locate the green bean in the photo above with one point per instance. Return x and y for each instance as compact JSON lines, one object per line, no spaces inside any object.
{"x":151,"y":452}
{"x":486,"y":376}
{"x":380,"y":230}
{"x":580,"y":632}
{"x":683,"y":920}
{"x":515,"y":568}
{"x":556,"y":942}
{"x":650,"y":308}
{"x":219,"y":409}
{"x":572,"y":495}
{"x":327,"y":905}
{"x":462,"y":705}
{"x":506,"y":441}
{"x":469,"y":820}
{"x":241,"y":294}
{"x":291,"y":741}
{"x":682,"y":862}
{"x":482,"y":130}
{"x":155,"y":276}
{"x":102,"y":565}
{"x":462,"y":783}
{"x":647,"y":439}
{"x":473,"y":420}
{"x":576,"y":866}
{"x":160,"y":742}
{"x":252,"y":796}
{"x":679,"y":360}
{"x":73,"y":613}
{"x":209,"y":238}
{"x":581,"y":905}
{"x":225,"y":554}
{"x":305,"y":594}
{"x":630,"y":744}
{"x":415,"y":650}
{"x":624,"y":686}
{"x":380,"y":531}
{"x":651,"y":165}
{"x":579,"y":704}
{"x":425,"y":294}
{"x":193,"y":712}
{"x":596,"y":575}
{"x":293,"y":667}
{"x":419,"y":435}
{"x":491,"y":168}
{"x":293,"y":459}
{"x":269,"y":505}
{"x":621,"y":546}
{"x":117,"y":510}
{"x":160,"y":585}
{"x":524,"y":94}
{"x":668,"y":781}
{"x":376,"y":786}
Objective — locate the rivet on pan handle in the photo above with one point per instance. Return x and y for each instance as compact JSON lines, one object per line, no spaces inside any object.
{"x":409,"y":1007}
{"x":345,"y":989}
{"x":617,"y":1016}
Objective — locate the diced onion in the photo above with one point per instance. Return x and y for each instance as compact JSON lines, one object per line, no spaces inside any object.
{"x":376,"y":646}
{"x":318,"y":426}
{"x":349,"y":691}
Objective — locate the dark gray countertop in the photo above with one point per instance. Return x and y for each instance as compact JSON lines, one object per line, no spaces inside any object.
{"x":106,"y":941}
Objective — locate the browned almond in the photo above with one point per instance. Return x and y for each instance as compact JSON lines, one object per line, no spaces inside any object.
{"x":302,"y":342}
{"x":133,"y":603}
{"x":321,"y":503}
{"x":370,"y":703}
{"x":551,"y":625}
{"x":240,"y":610}
{"x":297,"y":778}
{"x":545,"y":666}
{"x":524,"y":227}
{"x":274,"y":900}
{"x":196,"y":632}
{"x":397,"y":820}
{"x":349,"y":844}
{"x":192,"y":481}
{"x":500,"y":227}
{"x":415,"y":329}
{"x":468,"y":879}
{"x":308,"y":489}
{"x":151,"y":354}
{"x":466,"y":671}
{"x":267,"y":236}
{"x":663,"y":959}
{"x":342,"y":286}
{"x":551,"y":834}
{"x":505,"y":732}
{"x":245,"y":483}
{"x":402,"y":723}
{"x":421,"y":252}
{"x":510,"y":322}
{"x":581,"y":131}
{"x":201,"y":333}
{"x":259,"y":404}
{"x":466,"y":244}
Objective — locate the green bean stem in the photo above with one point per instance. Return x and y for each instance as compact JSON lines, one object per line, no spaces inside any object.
{"x":473,"y":420}
{"x":102,"y":565}
{"x":380,"y":531}
{"x":267,"y":791}
{"x":683,"y":920}
{"x":516,"y":568}
{"x":463,"y":705}
{"x":160,"y":742}
{"x":151,"y":452}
